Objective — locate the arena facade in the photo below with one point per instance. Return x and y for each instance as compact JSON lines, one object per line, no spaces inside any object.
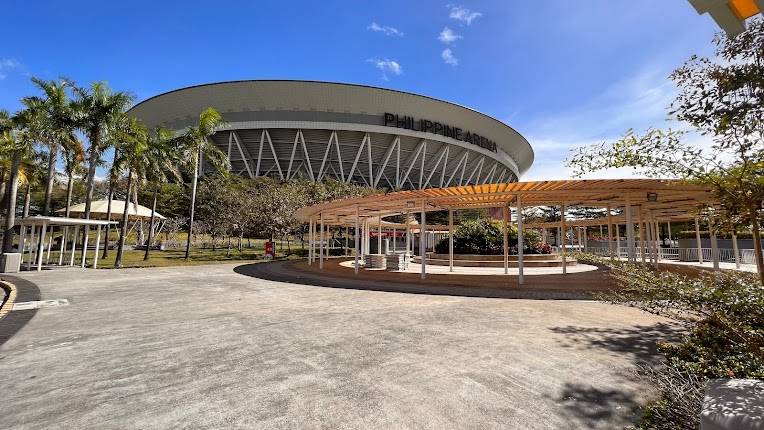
{"x":372,"y":136}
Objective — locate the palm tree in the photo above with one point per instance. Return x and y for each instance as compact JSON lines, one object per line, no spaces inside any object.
{"x":98,"y":109}
{"x":163,"y":160}
{"x":17,"y":138}
{"x":31,"y":172}
{"x":74,"y":155}
{"x":196,"y":143}
{"x":132,"y":157}
{"x":57,"y":122}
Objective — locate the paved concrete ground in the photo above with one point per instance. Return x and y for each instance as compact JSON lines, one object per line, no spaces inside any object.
{"x":206,"y":347}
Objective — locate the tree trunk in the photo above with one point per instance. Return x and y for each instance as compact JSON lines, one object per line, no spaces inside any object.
{"x":108,"y":209}
{"x":52,"y":157}
{"x":754,"y":217}
{"x":193,"y":203}
{"x":241,"y":237}
{"x":27,"y":199}
{"x":90,"y":184}
{"x":69,"y":186}
{"x":13,"y":188}
{"x":123,"y":225}
{"x":151,"y":224}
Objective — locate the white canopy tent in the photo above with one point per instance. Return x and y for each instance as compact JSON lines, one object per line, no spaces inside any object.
{"x":99,"y":209}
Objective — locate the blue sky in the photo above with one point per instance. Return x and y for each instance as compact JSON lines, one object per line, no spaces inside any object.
{"x":563,"y":73}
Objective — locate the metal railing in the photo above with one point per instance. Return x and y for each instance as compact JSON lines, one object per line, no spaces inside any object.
{"x":747,"y":256}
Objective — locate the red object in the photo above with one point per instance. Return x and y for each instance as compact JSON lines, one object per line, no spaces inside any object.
{"x":269,"y":249}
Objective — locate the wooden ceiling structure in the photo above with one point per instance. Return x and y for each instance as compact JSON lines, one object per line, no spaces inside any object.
{"x":661,"y":199}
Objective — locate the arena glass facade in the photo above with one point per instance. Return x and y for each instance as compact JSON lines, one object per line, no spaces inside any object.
{"x":377,"y":137}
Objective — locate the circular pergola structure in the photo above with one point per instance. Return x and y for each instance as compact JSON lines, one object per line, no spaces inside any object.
{"x":386,"y":139}
{"x":638,"y":201}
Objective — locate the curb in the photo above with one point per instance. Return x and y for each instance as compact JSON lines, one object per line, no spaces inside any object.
{"x":10,"y":298}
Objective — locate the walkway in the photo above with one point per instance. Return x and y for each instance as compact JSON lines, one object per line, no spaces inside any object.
{"x":206,"y":347}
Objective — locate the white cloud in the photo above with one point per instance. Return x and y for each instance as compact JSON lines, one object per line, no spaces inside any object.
{"x":386,"y":66}
{"x":448,"y":36}
{"x":387,"y":31}
{"x":6,"y":65}
{"x":448,"y":57}
{"x":462,"y":14}
{"x":639,"y":102}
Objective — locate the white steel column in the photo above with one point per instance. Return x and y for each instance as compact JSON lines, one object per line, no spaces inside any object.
{"x":714,"y":244}
{"x":394,"y":237}
{"x":50,"y":245}
{"x":671,"y":243}
{"x":310,"y":240}
{"x":85,"y":246}
{"x":697,"y":239}
{"x":32,"y":229}
{"x":609,"y":231}
{"x":98,"y":245}
{"x":735,"y":250}
{"x":357,"y":238}
{"x":562,"y":238}
{"x":618,"y":240}
{"x":450,"y":240}
{"x":41,"y":246}
{"x":505,"y":232}
{"x":321,"y":242}
{"x":520,"y":278}
{"x":641,"y":235}
{"x":74,"y":244}
{"x":631,"y":251}
{"x":379,"y":235}
{"x":64,"y":233}
{"x":408,"y":234}
{"x":422,"y":240}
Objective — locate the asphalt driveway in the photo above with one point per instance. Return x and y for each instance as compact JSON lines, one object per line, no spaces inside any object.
{"x":207,"y":347}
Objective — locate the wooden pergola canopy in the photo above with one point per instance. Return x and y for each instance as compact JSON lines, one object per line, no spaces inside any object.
{"x":663,"y":199}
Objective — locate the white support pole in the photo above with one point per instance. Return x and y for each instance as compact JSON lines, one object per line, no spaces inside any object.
{"x":450,"y":240}
{"x":74,"y":244}
{"x":98,"y":246}
{"x":22,"y":240}
{"x":641,"y":235}
{"x":520,"y":278}
{"x":321,"y":242}
{"x":714,"y":244}
{"x":631,"y":251}
{"x":64,"y":234}
{"x":395,"y":236}
{"x":505,"y":232}
{"x":310,"y":241}
{"x":41,"y":246}
{"x":562,"y":238}
{"x":85,"y":246}
{"x":357,"y":238}
{"x":31,"y":247}
{"x":50,"y":245}
{"x":609,"y":231}
{"x":422,"y":241}
{"x":697,"y":239}
{"x":735,"y":250}
{"x":379,"y":235}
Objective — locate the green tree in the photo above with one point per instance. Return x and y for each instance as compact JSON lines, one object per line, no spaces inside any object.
{"x":195,"y":145}
{"x":133,"y":159}
{"x":57,"y":125}
{"x":97,"y":110}
{"x":17,"y":140}
{"x":722,"y":98}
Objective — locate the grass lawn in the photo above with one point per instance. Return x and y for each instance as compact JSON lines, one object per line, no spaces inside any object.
{"x":171,"y":257}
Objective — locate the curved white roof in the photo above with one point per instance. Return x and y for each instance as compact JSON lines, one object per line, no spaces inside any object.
{"x":99,"y":207}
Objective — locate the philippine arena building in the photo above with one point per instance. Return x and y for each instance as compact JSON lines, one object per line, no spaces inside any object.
{"x":377,"y":137}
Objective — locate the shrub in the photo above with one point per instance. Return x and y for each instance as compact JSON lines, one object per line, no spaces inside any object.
{"x":485,"y":236}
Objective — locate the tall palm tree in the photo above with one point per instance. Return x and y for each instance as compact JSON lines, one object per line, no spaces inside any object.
{"x":31,"y":172}
{"x":132,"y":158}
{"x":57,"y":122}
{"x":98,"y":109}
{"x":196,"y":143}
{"x":74,"y":155}
{"x":163,"y":159}
{"x":17,"y":139}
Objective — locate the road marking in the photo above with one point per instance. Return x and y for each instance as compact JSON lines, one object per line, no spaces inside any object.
{"x":20,"y":306}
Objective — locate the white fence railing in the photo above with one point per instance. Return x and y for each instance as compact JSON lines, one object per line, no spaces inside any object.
{"x":747,"y":256}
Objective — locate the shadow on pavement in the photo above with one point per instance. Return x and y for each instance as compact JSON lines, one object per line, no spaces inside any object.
{"x":13,"y":322}
{"x":596,"y":408}
{"x":640,"y":342}
{"x":284,"y":271}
